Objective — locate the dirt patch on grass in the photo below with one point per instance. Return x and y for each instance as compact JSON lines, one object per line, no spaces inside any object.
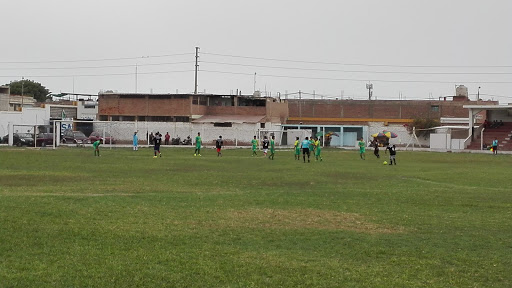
{"x":302,"y":219}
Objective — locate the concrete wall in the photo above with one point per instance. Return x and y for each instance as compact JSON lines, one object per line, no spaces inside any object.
{"x":29,"y":116}
{"x":403,"y":138}
{"x":238,"y":134}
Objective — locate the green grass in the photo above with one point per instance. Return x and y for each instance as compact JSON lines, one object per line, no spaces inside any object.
{"x":69,"y":219}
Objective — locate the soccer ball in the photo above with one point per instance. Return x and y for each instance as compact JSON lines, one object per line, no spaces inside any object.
{"x":385,"y":162}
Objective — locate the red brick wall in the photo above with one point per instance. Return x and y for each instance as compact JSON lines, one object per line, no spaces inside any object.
{"x":381,"y":109}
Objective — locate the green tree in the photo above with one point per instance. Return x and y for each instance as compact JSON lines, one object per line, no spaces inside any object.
{"x":423,"y":123}
{"x":30,"y":88}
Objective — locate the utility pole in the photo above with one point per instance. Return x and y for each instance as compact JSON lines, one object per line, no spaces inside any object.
{"x":197,"y":66}
{"x":369,"y":86}
{"x":22,"y":82}
{"x":478,"y":94}
{"x":254,"y":82}
{"x":136,"y":74}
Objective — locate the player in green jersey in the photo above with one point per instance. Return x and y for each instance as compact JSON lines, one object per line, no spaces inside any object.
{"x":272,"y":148}
{"x":254,"y":143}
{"x":96,"y":146}
{"x":318,"y":149}
{"x":198,"y":145}
{"x":297,"y":148}
{"x":362,"y":148}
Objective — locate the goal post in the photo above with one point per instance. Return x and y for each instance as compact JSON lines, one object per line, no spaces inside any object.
{"x":84,"y":132}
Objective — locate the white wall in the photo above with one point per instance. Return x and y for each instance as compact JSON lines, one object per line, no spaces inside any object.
{"x":29,"y":116}
{"x":240,"y":134}
{"x":403,"y":135}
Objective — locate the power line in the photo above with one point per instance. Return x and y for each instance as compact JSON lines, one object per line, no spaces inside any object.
{"x":361,"y":71}
{"x":362,"y":80}
{"x":95,"y":75}
{"x":96,"y":67}
{"x":94,"y":60}
{"x":361,"y":64}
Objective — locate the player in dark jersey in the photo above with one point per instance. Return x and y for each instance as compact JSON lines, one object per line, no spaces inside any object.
{"x":392,"y":154}
{"x":157,"y":141}
{"x":218,"y":145}
{"x":265,"y":145}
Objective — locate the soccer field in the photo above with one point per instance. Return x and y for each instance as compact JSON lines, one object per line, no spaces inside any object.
{"x":125,"y":219}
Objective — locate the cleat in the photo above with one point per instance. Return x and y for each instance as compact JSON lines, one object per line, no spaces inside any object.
{"x":155,"y":156}
{"x":195,"y":155}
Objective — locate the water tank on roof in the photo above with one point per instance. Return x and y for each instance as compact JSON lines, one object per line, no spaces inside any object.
{"x":461,"y":90}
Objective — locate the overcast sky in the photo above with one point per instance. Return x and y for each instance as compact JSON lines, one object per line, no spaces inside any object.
{"x":418,"y":48}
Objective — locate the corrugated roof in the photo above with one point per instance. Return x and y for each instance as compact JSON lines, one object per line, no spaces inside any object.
{"x":229,"y":118}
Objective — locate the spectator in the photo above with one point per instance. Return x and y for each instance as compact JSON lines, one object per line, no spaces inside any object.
{"x":167,"y":137}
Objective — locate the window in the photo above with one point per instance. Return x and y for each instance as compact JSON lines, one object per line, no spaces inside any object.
{"x":103,"y":118}
{"x":223,"y":124}
{"x":182,"y":119}
{"x":434,"y":108}
{"x":262,"y":125}
{"x":134,"y":96}
{"x":195,"y":100}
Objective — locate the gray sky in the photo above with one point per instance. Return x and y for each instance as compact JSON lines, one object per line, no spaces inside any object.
{"x":451,"y":42}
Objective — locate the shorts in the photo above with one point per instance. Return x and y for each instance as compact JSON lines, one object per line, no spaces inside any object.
{"x":297,"y":151}
{"x":305,"y":151}
{"x":494,"y":148}
{"x":218,"y":150}
{"x":265,"y":151}
{"x":362,"y":150}
{"x":157,"y":147}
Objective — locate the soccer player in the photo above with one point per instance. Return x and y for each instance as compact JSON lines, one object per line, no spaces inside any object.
{"x":157,"y":140}
{"x":305,"y":149}
{"x":265,"y":146}
{"x":362,"y":148}
{"x":254,"y":143}
{"x":392,"y":154}
{"x":198,"y":144}
{"x":272,"y":148}
{"x":311,"y":145}
{"x":135,"y":141}
{"x":96,"y":146}
{"x":318,"y":149}
{"x":218,"y":145}
{"x":495,"y":146}
{"x":297,"y":148}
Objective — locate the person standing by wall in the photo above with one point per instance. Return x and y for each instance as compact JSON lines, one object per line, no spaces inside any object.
{"x":198,"y":145}
{"x":135,"y":141}
{"x":167,"y":137}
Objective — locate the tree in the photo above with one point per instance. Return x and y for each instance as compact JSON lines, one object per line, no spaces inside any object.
{"x":422,"y":125}
{"x":30,"y":88}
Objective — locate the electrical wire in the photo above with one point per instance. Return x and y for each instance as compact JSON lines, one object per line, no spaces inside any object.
{"x":359,"y":64}
{"x":96,"y":75}
{"x":95,"y":60}
{"x":96,"y":67}
{"x":361,"y":80}
{"x":361,"y":71}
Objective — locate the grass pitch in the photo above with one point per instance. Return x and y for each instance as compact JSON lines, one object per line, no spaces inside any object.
{"x":69,"y":219}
